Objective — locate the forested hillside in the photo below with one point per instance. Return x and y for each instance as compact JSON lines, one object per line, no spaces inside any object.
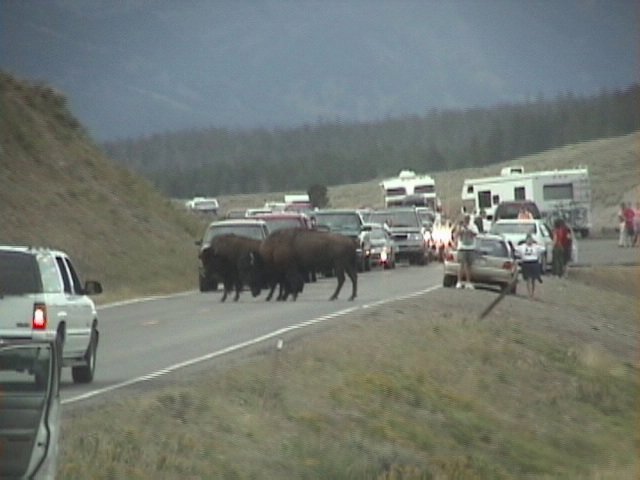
{"x":217,"y":161}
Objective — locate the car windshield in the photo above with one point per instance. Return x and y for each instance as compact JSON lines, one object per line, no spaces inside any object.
{"x":403,"y":218}
{"x":339,"y":221}
{"x":517,"y":228}
{"x":19,"y":274}
{"x":24,"y":368}
{"x":494,"y":248}
{"x":251,"y":231}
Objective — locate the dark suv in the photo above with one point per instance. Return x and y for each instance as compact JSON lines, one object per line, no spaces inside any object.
{"x":349,"y":223}
{"x":407,"y":231}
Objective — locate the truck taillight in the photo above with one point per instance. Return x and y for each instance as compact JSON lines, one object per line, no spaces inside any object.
{"x":449,"y":257}
{"x":507,"y":265}
{"x":39,"y":320}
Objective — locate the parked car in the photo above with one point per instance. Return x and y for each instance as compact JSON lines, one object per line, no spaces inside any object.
{"x":407,"y":231}
{"x":345,"y":222}
{"x":42,"y":298}
{"x":30,"y":408}
{"x":247,"y":227}
{"x":494,"y":263}
{"x":516,"y":231}
{"x":203,"y":205}
{"x":382,"y":250}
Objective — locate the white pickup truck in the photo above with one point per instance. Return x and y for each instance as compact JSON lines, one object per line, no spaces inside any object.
{"x":42,"y":298}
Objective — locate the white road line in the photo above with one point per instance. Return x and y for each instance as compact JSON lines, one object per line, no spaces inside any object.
{"x":238,"y":346}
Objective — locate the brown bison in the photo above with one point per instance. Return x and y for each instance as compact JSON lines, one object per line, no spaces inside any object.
{"x":223,"y":258}
{"x":286,"y":253}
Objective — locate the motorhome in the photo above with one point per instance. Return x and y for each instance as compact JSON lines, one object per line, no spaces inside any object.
{"x":297,"y":202}
{"x":410,"y":189}
{"x":562,"y":194}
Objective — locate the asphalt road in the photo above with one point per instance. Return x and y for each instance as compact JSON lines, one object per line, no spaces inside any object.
{"x":144,"y":339}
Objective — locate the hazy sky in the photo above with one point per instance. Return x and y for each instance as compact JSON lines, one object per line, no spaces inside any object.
{"x":134,"y":67}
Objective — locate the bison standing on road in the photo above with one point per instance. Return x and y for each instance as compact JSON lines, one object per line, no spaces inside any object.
{"x":285,"y":253}
{"x":224,"y":257}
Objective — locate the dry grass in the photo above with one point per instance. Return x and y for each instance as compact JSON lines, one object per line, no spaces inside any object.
{"x":413,"y":389}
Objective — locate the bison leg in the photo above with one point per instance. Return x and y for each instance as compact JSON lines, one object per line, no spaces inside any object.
{"x":340,"y":276}
{"x":238,"y":290}
{"x":272,"y":289}
{"x":353,"y":275}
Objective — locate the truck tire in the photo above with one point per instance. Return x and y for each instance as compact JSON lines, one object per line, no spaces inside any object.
{"x":84,"y":373}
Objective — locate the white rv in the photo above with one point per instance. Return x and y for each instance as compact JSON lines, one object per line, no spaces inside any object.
{"x":410,"y":189}
{"x":557,"y":193}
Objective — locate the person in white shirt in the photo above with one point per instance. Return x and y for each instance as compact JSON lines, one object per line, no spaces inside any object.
{"x":529,"y":253}
{"x":466,"y":244}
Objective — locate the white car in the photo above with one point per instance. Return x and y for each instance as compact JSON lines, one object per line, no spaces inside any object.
{"x":516,"y":231}
{"x":42,"y":298}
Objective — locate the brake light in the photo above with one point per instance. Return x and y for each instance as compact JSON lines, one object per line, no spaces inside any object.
{"x":39,"y":320}
{"x":449,"y":257}
{"x":507,"y":265}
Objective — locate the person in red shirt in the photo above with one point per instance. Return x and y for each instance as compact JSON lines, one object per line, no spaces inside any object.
{"x":560,"y":242}
{"x":628,"y":214}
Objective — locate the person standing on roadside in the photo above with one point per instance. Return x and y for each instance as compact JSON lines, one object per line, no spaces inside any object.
{"x":559,"y":245}
{"x":479,"y":220}
{"x":466,"y":240}
{"x":628,"y":215}
{"x":636,"y":226}
{"x":529,"y":253}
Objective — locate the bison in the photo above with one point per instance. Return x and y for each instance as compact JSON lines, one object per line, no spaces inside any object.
{"x":287,"y":252}
{"x":224,"y":258}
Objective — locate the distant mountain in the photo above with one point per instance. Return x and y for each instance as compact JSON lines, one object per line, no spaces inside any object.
{"x":133,"y":67}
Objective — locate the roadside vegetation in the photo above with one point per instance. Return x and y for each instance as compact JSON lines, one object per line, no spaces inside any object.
{"x":414,"y":389}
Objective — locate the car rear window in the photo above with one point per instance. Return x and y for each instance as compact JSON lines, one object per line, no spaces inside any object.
{"x":510,"y":211}
{"x":274,"y":224}
{"x":251,"y":231}
{"x":519,"y":228}
{"x":19,"y":274}
{"x":401,"y":218}
{"x":494,"y":248}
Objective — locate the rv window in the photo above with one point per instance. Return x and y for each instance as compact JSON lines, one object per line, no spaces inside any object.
{"x":560,"y":191}
{"x":496,"y":199}
{"x":484,"y":199}
{"x":396,"y":191}
{"x":518,"y":193}
{"x":470,"y":189}
{"x":424,"y":189}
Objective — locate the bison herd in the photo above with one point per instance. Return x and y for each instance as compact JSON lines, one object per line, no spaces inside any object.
{"x":283,"y":260}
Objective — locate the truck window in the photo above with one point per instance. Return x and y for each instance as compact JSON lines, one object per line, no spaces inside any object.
{"x":77,"y":284}
{"x":518,"y":193}
{"x":392,"y":192}
{"x":68,"y":288}
{"x":559,"y":191}
{"x":484,"y":199}
{"x":51,"y":280}
{"x":18,"y":274}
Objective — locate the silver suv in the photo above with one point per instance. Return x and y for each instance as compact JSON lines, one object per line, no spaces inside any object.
{"x":42,"y":298}
{"x":246,"y":227}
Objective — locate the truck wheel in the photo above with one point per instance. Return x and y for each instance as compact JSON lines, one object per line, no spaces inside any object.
{"x":84,"y":373}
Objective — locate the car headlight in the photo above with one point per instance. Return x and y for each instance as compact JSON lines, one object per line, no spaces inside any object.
{"x":415,"y":236}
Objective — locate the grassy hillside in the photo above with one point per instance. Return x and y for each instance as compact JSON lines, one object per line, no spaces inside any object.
{"x":58,"y":189}
{"x":613,"y":164}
